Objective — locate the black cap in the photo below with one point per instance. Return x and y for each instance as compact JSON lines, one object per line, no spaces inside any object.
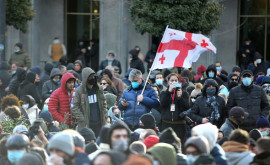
{"x":237,"y":112}
{"x":246,"y":72}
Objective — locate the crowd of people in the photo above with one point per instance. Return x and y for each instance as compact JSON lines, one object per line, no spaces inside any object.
{"x":73,"y":114}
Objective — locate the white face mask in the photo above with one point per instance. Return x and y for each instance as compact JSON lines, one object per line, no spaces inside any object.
{"x":56,"y":41}
{"x":25,"y":106}
{"x":259,"y":61}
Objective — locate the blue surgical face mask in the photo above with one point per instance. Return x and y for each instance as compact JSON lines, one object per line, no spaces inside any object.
{"x":25,"y":106}
{"x":259,"y":61}
{"x":211,"y":74}
{"x":264,"y":133}
{"x":45,"y":108}
{"x":247,"y":81}
{"x":15,"y":155}
{"x":156,"y":162}
{"x":219,"y":68}
{"x":159,"y":81}
{"x":135,"y":85}
{"x":16,"y":50}
{"x":13,"y":72}
{"x":191,"y":159}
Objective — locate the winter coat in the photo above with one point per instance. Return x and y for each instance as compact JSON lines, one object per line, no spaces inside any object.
{"x":5,"y":79}
{"x":253,"y":99}
{"x":50,"y":86}
{"x":261,"y":159}
{"x":27,"y":87}
{"x":45,"y":76}
{"x":201,"y":110}
{"x":181,"y":105}
{"x":228,"y":127}
{"x":136,"y":63}
{"x":133,"y":111}
{"x":260,"y":67}
{"x":81,"y":107}
{"x":22,"y":58}
{"x":59,"y":103}
{"x":200,"y":71}
{"x":14,"y":85}
{"x":237,"y":153}
{"x":33,"y":113}
{"x":114,"y":63}
{"x":219,"y":155}
{"x":217,"y":79}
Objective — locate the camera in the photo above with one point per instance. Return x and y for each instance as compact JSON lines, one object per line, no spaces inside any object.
{"x":184,"y":115}
{"x":33,"y":130}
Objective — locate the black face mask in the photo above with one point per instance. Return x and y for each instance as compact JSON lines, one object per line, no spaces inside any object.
{"x":91,"y":81}
{"x":211,"y":91}
{"x":232,"y":84}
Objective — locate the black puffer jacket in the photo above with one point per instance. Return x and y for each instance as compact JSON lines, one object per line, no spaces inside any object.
{"x":201,"y":110}
{"x":27,"y":87}
{"x":14,"y":85}
{"x":45,"y":76}
{"x":181,"y":105}
{"x":253,"y":100}
{"x":136,"y":62}
{"x":217,"y":79}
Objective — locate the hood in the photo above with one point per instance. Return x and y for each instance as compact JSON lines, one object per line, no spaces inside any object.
{"x":108,"y":72}
{"x":112,"y":52}
{"x":201,"y":69}
{"x":78,"y":62}
{"x":86,"y":72}
{"x":134,"y":54}
{"x":207,"y":83}
{"x":4,"y":66}
{"x":213,"y":68}
{"x":165,"y":153}
{"x":70,"y":66}
{"x":266,"y":79}
{"x":64,"y":80}
{"x":236,"y":157}
{"x":55,"y":72}
{"x":36,"y":70}
{"x":29,"y":99}
{"x":48,"y":68}
{"x":20,"y":73}
{"x":230,"y":76}
{"x":209,"y":131}
{"x":30,"y":77}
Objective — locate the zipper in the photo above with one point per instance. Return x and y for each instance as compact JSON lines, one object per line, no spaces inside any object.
{"x":172,"y":116}
{"x":134,"y":109}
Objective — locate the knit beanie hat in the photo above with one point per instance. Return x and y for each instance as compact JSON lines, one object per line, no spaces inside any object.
{"x":259,"y":80}
{"x":169,"y":136}
{"x":88,"y":134}
{"x":70,"y":66}
{"x":165,"y":153}
{"x":134,"y":159}
{"x":19,"y":45}
{"x":150,"y":141}
{"x":77,"y":138}
{"x":62,"y":142}
{"x":78,"y":62}
{"x":255,"y":134}
{"x":148,"y":121}
{"x":46,"y":116}
{"x":257,"y":55}
{"x":262,"y":122}
{"x":198,"y":142}
{"x":31,"y":158}
{"x":36,"y":70}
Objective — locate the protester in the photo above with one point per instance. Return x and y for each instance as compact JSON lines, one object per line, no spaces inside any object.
{"x":108,"y":86}
{"x":30,"y":106}
{"x":211,"y":73}
{"x":20,"y":57}
{"x":163,"y":153}
{"x":110,"y":61}
{"x":135,"y":62}
{"x":150,"y":56}
{"x":159,"y":82}
{"x":263,"y":148}
{"x":258,"y":65}
{"x":56,"y":51}
{"x":263,"y":125}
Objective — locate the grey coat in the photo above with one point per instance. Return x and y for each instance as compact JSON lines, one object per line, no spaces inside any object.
{"x":227,"y":128}
{"x":239,"y":158}
{"x":50,"y":85}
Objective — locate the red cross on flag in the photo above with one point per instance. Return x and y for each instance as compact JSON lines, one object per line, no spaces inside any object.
{"x":180,"y":49}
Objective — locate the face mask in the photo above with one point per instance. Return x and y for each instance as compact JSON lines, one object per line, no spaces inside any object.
{"x":13,"y":72}
{"x":247,"y":81}
{"x":56,"y":80}
{"x":211,"y":75}
{"x":191,"y":159}
{"x":91,"y":81}
{"x":259,"y":61}
{"x":15,"y":156}
{"x":155,"y":162}
{"x":193,"y":100}
{"x":16,"y":50}
{"x":135,"y":85}
{"x":247,"y":43}
{"x":130,"y":59}
{"x":25,"y":106}
{"x":232,"y":84}
{"x":159,"y":81}
{"x":264,"y":133}
{"x":56,"y":41}
{"x":211,"y":91}
{"x":120,"y":145}
{"x":109,"y":59}
{"x":45,"y":108}
{"x":219,"y":68}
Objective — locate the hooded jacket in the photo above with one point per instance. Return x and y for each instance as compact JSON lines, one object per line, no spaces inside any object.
{"x":59,"y":103}
{"x":50,"y":86}
{"x":200,"y":71}
{"x":115,"y":62}
{"x":201,"y":110}
{"x":217,"y":79}
{"x":22,"y":58}
{"x":27,"y":87}
{"x":164,"y":153}
{"x":136,"y":62}
{"x":81,"y":108}
{"x":133,"y":111}
{"x":33,"y":110}
{"x":14,"y":84}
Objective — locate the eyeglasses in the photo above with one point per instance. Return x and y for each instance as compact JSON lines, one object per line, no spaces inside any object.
{"x":103,"y":83}
{"x":233,"y":79}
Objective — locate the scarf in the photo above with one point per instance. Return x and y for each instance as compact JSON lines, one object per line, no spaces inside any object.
{"x":212,"y":103}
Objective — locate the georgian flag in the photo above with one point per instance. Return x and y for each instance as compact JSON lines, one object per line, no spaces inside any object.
{"x":180,"y":49}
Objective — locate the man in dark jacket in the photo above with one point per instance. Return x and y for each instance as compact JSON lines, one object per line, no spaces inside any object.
{"x":211,"y":73}
{"x":89,"y":106}
{"x":45,"y":75}
{"x":250,"y":97}
{"x":150,"y":56}
{"x":135,"y":62}
{"x":52,"y":84}
{"x":111,"y":61}
{"x":258,"y":65}
{"x":134,"y":103}
{"x":14,"y":85}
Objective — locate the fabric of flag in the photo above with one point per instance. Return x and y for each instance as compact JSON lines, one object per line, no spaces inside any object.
{"x":180,"y":49}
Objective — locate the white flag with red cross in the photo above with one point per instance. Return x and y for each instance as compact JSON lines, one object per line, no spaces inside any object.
{"x":180,"y":49}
